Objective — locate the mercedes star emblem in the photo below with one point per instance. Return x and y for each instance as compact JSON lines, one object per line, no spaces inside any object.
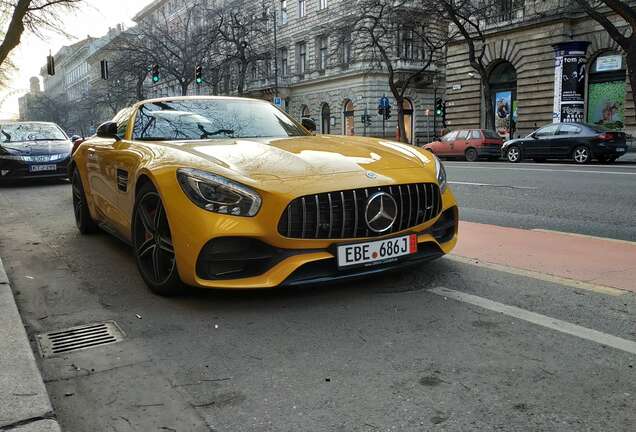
{"x":381,"y":212}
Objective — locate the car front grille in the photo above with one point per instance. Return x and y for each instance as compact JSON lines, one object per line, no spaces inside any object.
{"x":341,"y":215}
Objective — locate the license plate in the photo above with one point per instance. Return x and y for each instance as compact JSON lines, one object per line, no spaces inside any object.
{"x":39,"y":168}
{"x":376,"y":252}
{"x":620,"y":150}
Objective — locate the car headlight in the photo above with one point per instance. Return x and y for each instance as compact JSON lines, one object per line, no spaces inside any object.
{"x":218,"y":194}
{"x":441,"y":174}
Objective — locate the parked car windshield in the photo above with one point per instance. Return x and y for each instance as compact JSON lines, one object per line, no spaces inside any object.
{"x":23,"y":132}
{"x":202,"y":119}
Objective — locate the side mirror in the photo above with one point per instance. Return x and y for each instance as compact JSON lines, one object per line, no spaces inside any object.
{"x":309,"y":124}
{"x":108,"y":130}
{"x":533,"y":135}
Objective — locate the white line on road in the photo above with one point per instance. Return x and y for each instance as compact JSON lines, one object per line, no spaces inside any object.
{"x":631,"y":243}
{"x":541,"y":320}
{"x":491,"y":185}
{"x":534,"y":164}
{"x":543,"y":170}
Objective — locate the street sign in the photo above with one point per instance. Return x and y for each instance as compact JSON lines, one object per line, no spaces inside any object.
{"x":384,"y":102}
{"x":278,"y":101}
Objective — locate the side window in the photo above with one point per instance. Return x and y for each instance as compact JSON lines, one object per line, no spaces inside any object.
{"x":475,"y":134}
{"x":449,"y":136}
{"x":567,"y":129}
{"x":462,"y":135}
{"x":547,"y":131}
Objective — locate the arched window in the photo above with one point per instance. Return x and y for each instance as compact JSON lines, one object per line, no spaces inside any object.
{"x":606,"y":91}
{"x":348,"y":115}
{"x":325,"y":119}
{"x":503,"y":89}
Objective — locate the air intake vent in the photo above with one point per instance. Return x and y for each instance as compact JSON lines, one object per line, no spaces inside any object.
{"x":79,"y":338}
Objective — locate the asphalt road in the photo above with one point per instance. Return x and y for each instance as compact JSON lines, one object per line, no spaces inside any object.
{"x":396,"y":353}
{"x":597,"y":200}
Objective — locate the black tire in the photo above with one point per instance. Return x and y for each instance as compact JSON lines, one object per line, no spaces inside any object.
{"x":513,"y":154}
{"x":582,"y":155}
{"x":471,"y":155}
{"x":83,"y":219}
{"x":152,"y":243}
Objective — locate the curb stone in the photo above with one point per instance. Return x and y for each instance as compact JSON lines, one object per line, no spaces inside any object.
{"x":24,"y":402}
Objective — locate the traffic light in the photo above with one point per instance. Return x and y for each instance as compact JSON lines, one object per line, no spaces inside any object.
{"x":439,"y":107}
{"x":104,"y":67}
{"x":444,"y":113}
{"x":50,"y":65}
{"x":198,"y":74}
{"x":155,"y":73}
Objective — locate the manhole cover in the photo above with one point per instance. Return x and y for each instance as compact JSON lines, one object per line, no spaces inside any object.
{"x":79,"y":338}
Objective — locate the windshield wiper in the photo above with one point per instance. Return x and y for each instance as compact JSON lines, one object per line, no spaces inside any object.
{"x":6,"y":134}
{"x":207,"y":134}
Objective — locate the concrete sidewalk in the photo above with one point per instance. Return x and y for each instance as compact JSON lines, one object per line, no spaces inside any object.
{"x":24,"y":401}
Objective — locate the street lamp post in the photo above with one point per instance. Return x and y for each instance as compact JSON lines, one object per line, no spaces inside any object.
{"x":274,"y":17}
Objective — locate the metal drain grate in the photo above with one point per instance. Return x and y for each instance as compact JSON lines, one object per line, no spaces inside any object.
{"x":79,"y":338}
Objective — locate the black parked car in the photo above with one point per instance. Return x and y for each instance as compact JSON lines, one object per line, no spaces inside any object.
{"x":575,"y":141}
{"x":33,"y":149}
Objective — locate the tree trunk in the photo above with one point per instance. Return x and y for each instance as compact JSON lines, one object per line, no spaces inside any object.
{"x":184,"y":88}
{"x":631,"y":69}
{"x":488,"y":107}
{"x":400,"y":119}
{"x":14,"y":31}
{"x":241,"y":78}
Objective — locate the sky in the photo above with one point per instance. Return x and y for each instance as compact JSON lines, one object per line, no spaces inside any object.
{"x":93,"y":18}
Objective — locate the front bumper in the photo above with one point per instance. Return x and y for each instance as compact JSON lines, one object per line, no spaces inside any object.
{"x":237,"y":254}
{"x":19,"y":170}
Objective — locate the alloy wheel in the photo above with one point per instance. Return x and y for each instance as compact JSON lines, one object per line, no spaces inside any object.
{"x":581,"y":155}
{"x":153,"y":242}
{"x":77,"y":198}
{"x":513,"y":154}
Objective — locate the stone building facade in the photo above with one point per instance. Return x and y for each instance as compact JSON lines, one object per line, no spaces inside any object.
{"x":334,"y":86}
{"x":521,"y":60}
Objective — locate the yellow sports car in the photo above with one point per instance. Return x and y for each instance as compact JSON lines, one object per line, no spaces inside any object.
{"x":222,"y":192}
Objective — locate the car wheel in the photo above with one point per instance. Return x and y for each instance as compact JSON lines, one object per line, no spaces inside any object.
{"x":83,"y":220}
{"x":513,"y":154}
{"x":471,"y":155}
{"x":581,"y":155}
{"x":152,"y":241}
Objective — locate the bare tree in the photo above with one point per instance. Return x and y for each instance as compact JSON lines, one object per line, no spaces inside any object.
{"x":243,"y":37}
{"x":176,"y":43}
{"x":398,"y":36}
{"x":622,"y":32}
{"x":35,"y":16}
{"x":467,"y":18}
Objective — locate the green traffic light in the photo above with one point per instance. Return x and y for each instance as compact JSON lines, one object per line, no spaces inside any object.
{"x":155,"y":78}
{"x":438,"y":112}
{"x":199,"y":80}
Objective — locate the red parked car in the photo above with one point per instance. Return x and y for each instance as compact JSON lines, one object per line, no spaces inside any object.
{"x":471,"y":144}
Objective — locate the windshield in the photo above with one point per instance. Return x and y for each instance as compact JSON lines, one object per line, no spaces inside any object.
{"x":202,"y":119}
{"x":22,"y":132}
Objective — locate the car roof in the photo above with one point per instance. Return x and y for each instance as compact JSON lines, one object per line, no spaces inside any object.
{"x":186,"y":98}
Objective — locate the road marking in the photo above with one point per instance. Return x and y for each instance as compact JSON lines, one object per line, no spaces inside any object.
{"x":540,"y":320}
{"x":490,"y":185}
{"x":553,"y":165}
{"x":544,"y":170}
{"x":601,"y":289}
{"x":584,"y":236}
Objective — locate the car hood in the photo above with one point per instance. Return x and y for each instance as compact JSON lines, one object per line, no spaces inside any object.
{"x":306,"y":156}
{"x":514,"y":141}
{"x":36,"y":148}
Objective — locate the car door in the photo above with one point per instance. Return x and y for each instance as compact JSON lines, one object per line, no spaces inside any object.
{"x":539,"y":145}
{"x":567,"y":138}
{"x":103,"y":172}
{"x":461,"y":143}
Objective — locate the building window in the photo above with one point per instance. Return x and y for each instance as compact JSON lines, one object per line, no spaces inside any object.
{"x":301,"y":8}
{"x":348,"y":114}
{"x":405,"y":43}
{"x":323,"y":54}
{"x":302,"y":58}
{"x":322,"y":4}
{"x":304,"y":112}
{"x":283,"y":12}
{"x":283,"y":62}
{"x":346,"y":49}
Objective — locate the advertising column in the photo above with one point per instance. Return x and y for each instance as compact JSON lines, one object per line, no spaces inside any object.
{"x":569,"y":82}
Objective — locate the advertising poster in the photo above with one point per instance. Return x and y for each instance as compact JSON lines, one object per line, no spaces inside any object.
{"x":569,"y":82}
{"x":605,"y":105}
{"x":503,"y":111}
